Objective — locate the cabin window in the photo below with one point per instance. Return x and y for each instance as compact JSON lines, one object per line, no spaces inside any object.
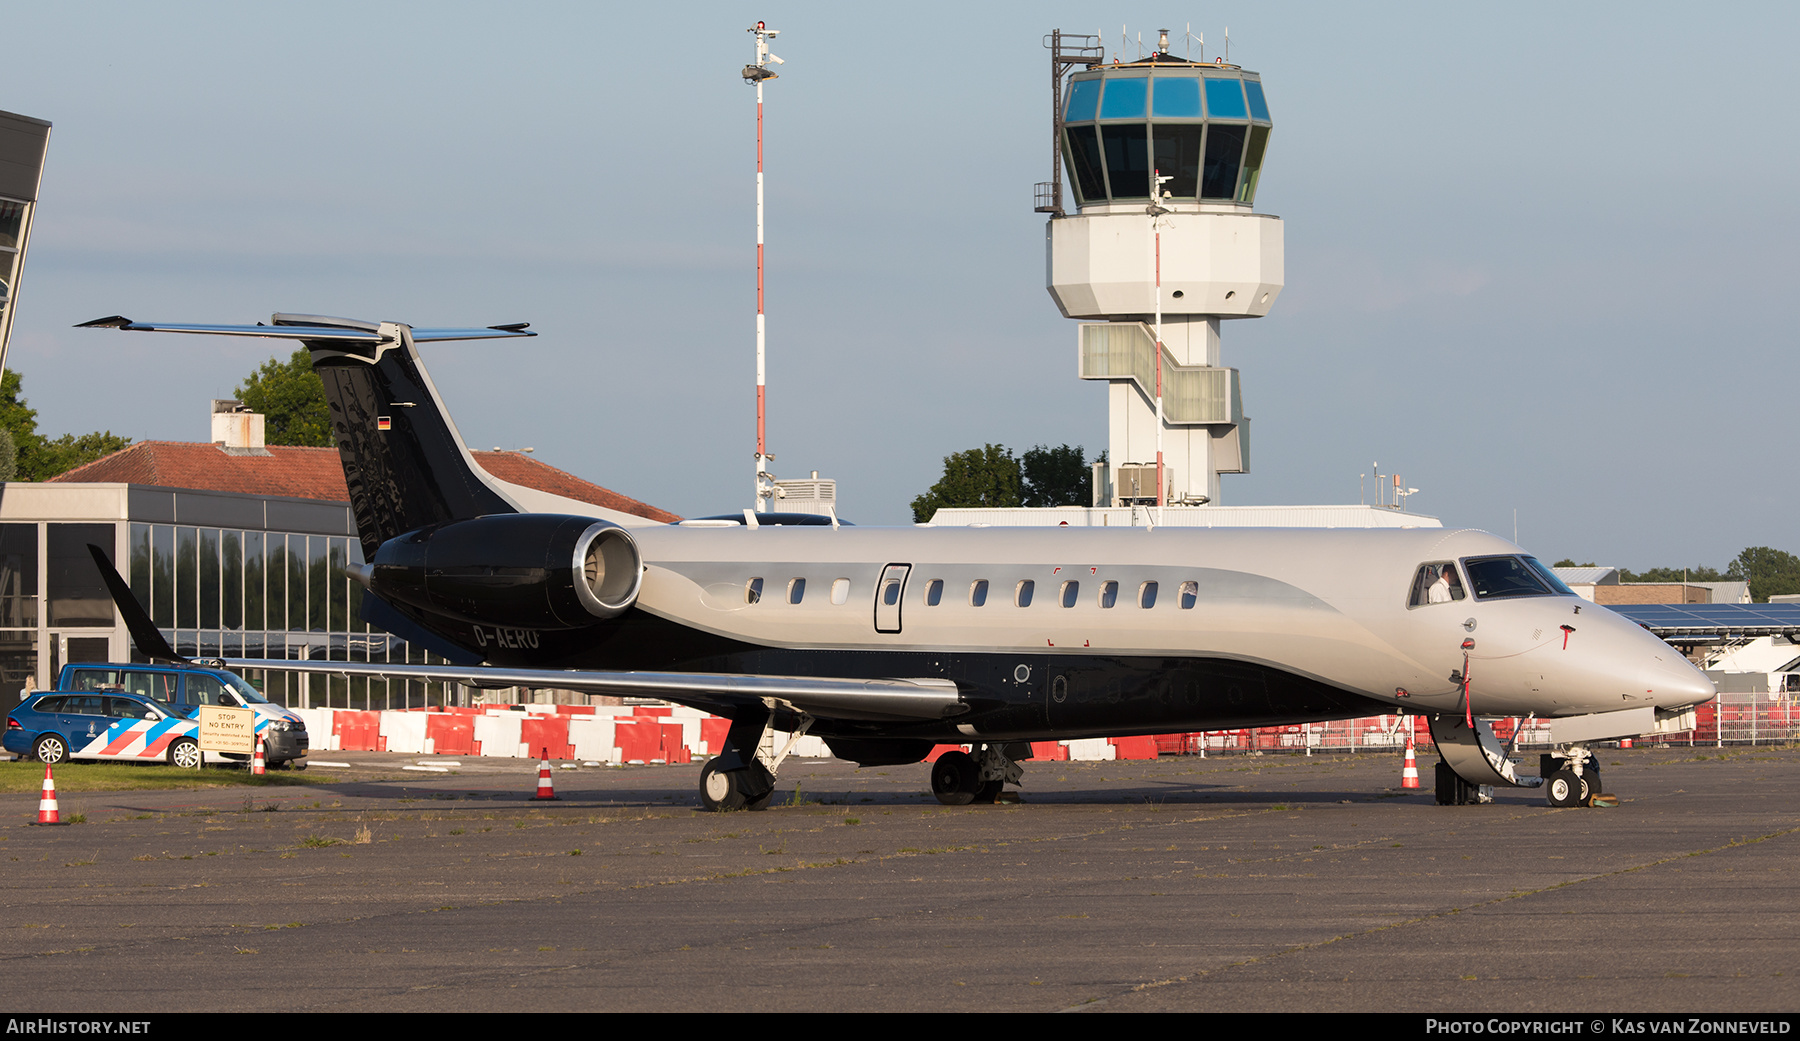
{"x":934,"y":592}
{"x":978,"y":593}
{"x":840,"y":591}
{"x":1022,"y":595}
{"x":1109,"y":594}
{"x":1070,"y":591}
{"x":890,"y":592}
{"x":796,"y":590}
{"x":1147,"y":595}
{"x":1190,"y":595}
{"x":1436,"y":583}
{"x":753,"y":591}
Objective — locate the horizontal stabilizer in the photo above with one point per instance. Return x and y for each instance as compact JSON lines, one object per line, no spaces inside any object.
{"x":887,"y":700}
{"x":338,"y":333}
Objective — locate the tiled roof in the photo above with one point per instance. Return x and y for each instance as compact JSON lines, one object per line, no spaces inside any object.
{"x":314,"y":473}
{"x":519,"y":468}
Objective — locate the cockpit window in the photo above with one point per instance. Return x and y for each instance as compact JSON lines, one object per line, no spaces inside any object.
{"x":1498,"y":578}
{"x":1436,"y":583}
{"x":1549,"y":576}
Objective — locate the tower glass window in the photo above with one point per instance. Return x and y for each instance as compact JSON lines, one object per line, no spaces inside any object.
{"x":1204,"y":127}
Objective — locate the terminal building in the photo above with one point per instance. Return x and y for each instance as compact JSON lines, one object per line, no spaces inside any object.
{"x":235,"y":548}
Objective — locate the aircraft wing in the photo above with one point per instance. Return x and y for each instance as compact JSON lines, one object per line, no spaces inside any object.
{"x":878,"y":700}
{"x":362,"y":332}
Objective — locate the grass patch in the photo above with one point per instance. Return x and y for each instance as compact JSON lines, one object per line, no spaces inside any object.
{"x":27,"y":777}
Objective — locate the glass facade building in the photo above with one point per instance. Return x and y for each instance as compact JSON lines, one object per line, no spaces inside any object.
{"x":221,"y":574}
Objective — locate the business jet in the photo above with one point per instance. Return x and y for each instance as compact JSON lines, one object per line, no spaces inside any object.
{"x":886,"y":642}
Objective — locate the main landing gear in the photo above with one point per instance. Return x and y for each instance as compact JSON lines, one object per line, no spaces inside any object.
{"x":958,"y":778}
{"x":742,"y":777}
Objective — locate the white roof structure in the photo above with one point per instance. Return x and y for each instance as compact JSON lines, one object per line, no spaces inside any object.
{"x":1186,"y":517}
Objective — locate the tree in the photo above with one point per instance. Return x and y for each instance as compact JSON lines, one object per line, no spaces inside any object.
{"x":1056,"y":477}
{"x":37,"y":458}
{"x":68,"y":451}
{"x":978,"y":477}
{"x":19,"y":419}
{"x":1769,"y":571}
{"x":1697,"y":573}
{"x":291,"y":397}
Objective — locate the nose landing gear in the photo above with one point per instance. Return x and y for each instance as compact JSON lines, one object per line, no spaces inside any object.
{"x":1571,"y":776}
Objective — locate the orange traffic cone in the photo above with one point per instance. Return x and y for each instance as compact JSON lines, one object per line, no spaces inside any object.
{"x":257,"y":766}
{"x":47,"y":813}
{"x":546,"y":787}
{"x":1409,"y":774}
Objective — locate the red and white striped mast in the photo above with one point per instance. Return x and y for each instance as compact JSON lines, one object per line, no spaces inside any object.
{"x":1157,"y":211}
{"x":755,"y":74}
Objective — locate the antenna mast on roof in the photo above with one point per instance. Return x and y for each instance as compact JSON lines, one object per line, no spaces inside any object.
{"x":755,"y":74}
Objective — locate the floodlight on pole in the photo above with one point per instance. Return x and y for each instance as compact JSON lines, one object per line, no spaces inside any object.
{"x":755,"y":73}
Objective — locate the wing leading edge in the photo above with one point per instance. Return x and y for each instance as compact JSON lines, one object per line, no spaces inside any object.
{"x":883,"y":700}
{"x":311,"y":328}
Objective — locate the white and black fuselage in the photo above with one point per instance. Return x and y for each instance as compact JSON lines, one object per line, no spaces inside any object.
{"x":885,"y":640}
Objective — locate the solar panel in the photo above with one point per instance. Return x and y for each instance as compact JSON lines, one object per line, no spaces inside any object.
{"x":1723,"y":619}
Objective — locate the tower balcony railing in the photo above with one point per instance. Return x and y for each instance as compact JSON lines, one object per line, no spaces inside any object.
{"x":1193,"y":395}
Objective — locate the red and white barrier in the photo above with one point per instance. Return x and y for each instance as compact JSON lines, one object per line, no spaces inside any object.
{"x":656,"y":734}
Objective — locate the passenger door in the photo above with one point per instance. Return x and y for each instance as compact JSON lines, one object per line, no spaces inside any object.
{"x":890,"y":593}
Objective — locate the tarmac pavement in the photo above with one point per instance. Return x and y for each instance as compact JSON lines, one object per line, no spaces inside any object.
{"x":1272,"y":883}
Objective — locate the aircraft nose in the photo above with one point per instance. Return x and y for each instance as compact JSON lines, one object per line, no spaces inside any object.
{"x":1678,"y":683}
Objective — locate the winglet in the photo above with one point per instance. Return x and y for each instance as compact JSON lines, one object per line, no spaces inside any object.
{"x":144,"y":633}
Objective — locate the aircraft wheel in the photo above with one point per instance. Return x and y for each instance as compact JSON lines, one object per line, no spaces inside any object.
{"x":50,"y":749}
{"x":1592,"y":776}
{"x":955,"y":779}
{"x":1565,"y":789}
{"x":719,"y":790}
{"x":989,"y":792}
{"x":185,"y":754}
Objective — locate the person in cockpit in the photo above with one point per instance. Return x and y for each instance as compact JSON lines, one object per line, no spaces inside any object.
{"x":1439,"y":593}
{"x":1437,"y":584}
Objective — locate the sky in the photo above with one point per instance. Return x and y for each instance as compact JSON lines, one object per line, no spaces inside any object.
{"x":1539,"y":257}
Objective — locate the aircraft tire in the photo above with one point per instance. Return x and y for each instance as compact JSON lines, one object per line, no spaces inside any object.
{"x":955,"y":779}
{"x":720,"y":792}
{"x":989,"y":792}
{"x":1565,"y":789}
{"x":1591,"y":775}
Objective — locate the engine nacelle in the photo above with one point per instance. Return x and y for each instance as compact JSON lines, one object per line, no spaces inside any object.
{"x":523,"y":570}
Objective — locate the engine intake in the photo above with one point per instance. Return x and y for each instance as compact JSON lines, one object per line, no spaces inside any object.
{"x":528,"y":571}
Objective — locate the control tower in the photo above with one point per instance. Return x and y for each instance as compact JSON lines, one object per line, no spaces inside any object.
{"x":1163,"y":156}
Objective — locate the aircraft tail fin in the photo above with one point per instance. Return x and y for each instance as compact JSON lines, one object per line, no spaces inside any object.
{"x":404,"y":461}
